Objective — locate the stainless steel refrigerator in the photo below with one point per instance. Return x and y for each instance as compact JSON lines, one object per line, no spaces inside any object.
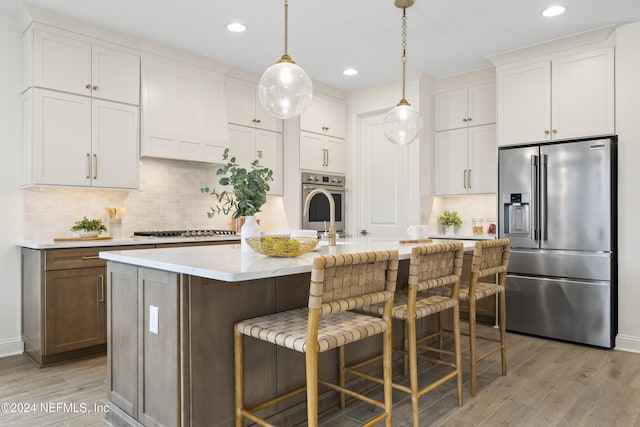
{"x":557,"y":204}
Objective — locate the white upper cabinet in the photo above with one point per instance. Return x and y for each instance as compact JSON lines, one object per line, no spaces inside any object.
{"x":244,"y":144}
{"x":325,"y":116}
{"x":474,"y":105}
{"x":73,"y":140}
{"x":561,"y":98}
{"x":72,"y":63}
{"x":322,"y":153}
{"x":466,"y":161}
{"x":245,"y":109}
{"x":80,"y":116}
{"x":184,"y":115}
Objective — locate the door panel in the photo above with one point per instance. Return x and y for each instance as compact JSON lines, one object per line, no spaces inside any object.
{"x":561,"y":309}
{"x":578,"y":196}
{"x":451,"y":162}
{"x":517,"y":177}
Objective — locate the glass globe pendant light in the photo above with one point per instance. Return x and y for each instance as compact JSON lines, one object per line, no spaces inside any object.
{"x":403,"y":123}
{"x":285,"y":89}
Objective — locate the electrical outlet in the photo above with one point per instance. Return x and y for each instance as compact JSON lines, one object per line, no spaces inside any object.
{"x":153,"y":319}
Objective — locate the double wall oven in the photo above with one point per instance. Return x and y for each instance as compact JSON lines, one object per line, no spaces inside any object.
{"x":317,"y":217}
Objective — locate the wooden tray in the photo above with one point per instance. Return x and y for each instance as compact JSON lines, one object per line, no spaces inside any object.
{"x":416,"y":241}
{"x":80,"y":239}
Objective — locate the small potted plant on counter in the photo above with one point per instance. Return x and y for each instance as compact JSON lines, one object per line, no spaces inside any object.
{"x":248,"y":193}
{"x":88,"y":227}
{"x":450,"y":220}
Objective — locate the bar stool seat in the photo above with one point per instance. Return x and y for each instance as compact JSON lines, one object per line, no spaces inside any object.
{"x":424,"y":306}
{"x":339,"y":283}
{"x":289,"y":329}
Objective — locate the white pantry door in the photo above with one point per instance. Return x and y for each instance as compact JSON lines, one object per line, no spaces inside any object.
{"x":384,"y":175}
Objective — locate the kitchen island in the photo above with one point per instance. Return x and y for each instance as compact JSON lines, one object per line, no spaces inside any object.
{"x":170,"y":331}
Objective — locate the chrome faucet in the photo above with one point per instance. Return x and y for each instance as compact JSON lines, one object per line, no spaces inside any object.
{"x":332,"y":212}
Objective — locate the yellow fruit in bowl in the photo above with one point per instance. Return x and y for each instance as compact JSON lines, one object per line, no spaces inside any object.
{"x":293,"y":244}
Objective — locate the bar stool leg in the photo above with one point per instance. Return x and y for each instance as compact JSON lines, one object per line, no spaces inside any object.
{"x":503,"y":331}
{"x":387,"y":366}
{"x":311,"y":357}
{"x":457,"y":349}
{"x":341,"y":364}
{"x":413,"y":362}
{"x":405,"y":355}
{"x":238,"y":362}
{"x":472,"y":341}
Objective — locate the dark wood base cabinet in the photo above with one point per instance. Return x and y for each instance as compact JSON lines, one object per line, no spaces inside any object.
{"x":64,"y":301}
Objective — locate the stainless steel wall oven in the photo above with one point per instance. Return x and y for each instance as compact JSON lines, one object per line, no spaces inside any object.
{"x":317,"y":218}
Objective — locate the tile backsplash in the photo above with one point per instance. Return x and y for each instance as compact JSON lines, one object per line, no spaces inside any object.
{"x":468,"y":207}
{"x":169,"y":198}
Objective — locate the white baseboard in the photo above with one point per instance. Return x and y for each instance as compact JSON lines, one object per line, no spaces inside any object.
{"x":10,"y":347}
{"x":628,"y":343}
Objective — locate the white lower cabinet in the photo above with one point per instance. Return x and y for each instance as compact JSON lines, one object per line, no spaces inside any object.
{"x":78,"y":141}
{"x":322,"y":153}
{"x":244,"y":144}
{"x":466,"y":161}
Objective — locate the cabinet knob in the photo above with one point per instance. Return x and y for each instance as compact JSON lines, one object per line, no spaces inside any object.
{"x":258,"y":121}
{"x":88,"y":86}
{"x":95,"y":87}
{"x":546,"y":132}
{"x":468,"y":119}
{"x":554,"y":131}
{"x":465,"y":120}
{"x":254,"y":120}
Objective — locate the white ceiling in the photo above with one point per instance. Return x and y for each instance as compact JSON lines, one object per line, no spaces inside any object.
{"x":445,"y":37}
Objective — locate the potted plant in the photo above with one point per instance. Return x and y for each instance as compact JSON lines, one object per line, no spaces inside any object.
{"x":449,"y":220}
{"x":247,"y":195}
{"x":88,"y":227}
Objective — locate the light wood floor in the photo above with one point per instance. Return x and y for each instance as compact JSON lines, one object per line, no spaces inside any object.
{"x":549,"y":383}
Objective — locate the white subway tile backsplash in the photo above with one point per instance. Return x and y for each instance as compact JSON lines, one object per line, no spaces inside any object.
{"x":169,"y":198}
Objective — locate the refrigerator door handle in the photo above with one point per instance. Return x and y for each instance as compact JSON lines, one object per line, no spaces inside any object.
{"x":543,"y":197}
{"x":533,"y":211}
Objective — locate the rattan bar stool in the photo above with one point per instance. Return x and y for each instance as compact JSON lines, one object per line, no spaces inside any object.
{"x":490,"y":257}
{"x":431,"y":267}
{"x":338,"y":284}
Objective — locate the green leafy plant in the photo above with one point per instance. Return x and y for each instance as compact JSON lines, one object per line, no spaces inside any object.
{"x":249,"y":188}
{"x":89,"y":225}
{"x":450,"y":218}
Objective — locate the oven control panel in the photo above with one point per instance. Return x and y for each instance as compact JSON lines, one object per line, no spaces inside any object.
{"x":313,"y":178}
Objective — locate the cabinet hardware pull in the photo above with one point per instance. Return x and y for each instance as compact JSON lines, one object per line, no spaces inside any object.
{"x":464,"y":119}
{"x":88,"y":166}
{"x":254,"y":120}
{"x":546,"y":132}
{"x":258,"y":121}
{"x":101,"y":288}
{"x":554,"y":131}
{"x":469,"y":179}
{"x":88,"y":86}
{"x":464,"y":179}
{"x":85,"y":257}
{"x":327,"y":155}
{"x":95,"y":169}
{"x":468,"y":119}
{"x":95,"y":87}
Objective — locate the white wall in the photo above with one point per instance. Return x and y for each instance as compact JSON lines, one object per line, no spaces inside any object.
{"x":628,"y":125}
{"x":10,"y":196}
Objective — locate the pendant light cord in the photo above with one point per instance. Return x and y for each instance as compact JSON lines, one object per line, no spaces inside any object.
{"x":404,"y":52}
{"x":286,"y":27}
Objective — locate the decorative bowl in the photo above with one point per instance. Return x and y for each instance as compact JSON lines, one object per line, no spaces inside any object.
{"x":283,"y":245}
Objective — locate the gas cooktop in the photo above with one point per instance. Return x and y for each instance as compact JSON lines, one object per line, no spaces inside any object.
{"x":184,"y":233}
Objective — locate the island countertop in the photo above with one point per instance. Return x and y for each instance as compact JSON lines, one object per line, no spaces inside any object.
{"x":227,"y":263}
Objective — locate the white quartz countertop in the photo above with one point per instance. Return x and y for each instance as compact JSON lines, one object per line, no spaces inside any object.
{"x":50,"y":244}
{"x":227,"y":263}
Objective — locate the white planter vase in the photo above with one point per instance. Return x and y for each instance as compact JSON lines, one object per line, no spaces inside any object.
{"x":250,"y":228}
{"x":449,"y":230}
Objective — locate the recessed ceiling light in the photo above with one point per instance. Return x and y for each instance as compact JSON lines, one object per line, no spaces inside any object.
{"x":350,"y":72}
{"x":553,"y":11}
{"x":236,"y":27}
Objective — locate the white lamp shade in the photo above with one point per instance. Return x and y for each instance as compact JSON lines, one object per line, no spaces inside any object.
{"x":402,"y":124}
{"x":285,"y":90}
